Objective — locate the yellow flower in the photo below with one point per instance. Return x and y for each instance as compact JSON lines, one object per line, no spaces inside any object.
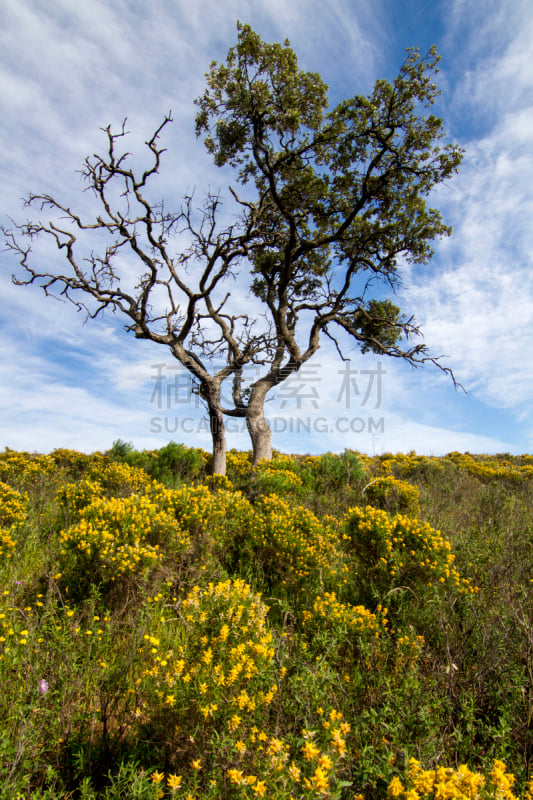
{"x":325,"y":762}
{"x":235,"y":776}
{"x":294,"y":772}
{"x":310,"y":751}
{"x":319,"y":781}
{"x":174,"y":781}
{"x":197,"y":764}
{"x":395,"y":788}
{"x":274,"y":746}
{"x":157,"y":777}
{"x":260,"y":788}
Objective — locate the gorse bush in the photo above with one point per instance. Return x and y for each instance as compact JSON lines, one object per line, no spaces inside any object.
{"x":393,"y":495}
{"x":119,"y":538}
{"x":331,"y":627}
{"x":398,"y":551}
{"x":13,"y":508}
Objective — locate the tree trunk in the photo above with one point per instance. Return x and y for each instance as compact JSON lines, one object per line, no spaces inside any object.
{"x":261,"y":437}
{"x":218,"y":434}
{"x":258,"y":427}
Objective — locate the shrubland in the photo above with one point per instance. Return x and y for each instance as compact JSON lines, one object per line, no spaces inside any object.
{"x":334,"y":626}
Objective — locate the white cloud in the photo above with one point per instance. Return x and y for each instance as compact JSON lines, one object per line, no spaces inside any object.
{"x":478,"y":308}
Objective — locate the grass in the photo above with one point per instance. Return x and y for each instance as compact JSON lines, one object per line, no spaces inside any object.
{"x":320,"y":627}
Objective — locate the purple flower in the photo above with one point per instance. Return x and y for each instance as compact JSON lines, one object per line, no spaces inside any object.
{"x":43,"y":686}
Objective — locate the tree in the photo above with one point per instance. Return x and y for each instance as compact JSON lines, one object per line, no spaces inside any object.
{"x":340,"y":198}
{"x":330,"y":202}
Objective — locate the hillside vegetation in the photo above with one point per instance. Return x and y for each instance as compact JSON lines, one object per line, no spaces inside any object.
{"x":319,"y":627}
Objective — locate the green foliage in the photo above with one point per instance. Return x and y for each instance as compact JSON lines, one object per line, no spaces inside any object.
{"x":345,"y":186}
{"x":171,"y":464}
{"x":332,"y":471}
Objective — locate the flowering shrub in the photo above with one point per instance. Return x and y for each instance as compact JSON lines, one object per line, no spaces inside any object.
{"x":238,"y":464}
{"x":118,"y":537}
{"x":212,"y":672}
{"x":76,"y":464}
{"x":356,"y":619}
{"x":119,"y":479}
{"x":271,"y":479}
{"x":79,"y":495}
{"x":350,"y":635}
{"x":13,"y":506}
{"x":217,"y":521}
{"x":13,"y":509}
{"x":20,"y":467}
{"x":393,"y":495}
{"x":294,"y":545}
{"x":400,"y":551}
{"x":213,"y":663}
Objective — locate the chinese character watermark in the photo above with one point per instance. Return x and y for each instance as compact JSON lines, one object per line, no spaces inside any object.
{"x":294,"y":388}
{"x":350,"y":386}
{"x":174,"y":387}
{"x":180,"y":390}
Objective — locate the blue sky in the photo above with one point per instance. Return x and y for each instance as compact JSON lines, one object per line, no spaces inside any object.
{"x":67,"y":70}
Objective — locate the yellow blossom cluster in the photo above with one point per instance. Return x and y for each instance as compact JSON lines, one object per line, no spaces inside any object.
{"x":13,"y":510}
{"x":77,"y":495}
{"x":393,"y":494}
{"x":328,"y":608}
{"x":238,"y":462}
{"x":218,"y":515}
{"x":218,"y":482}
{"x":76,"y":463}
{"x":295,"y":542}
{"x":285,"y":536}
{"x":123,"y":535}
{"x":286,"y":771}
{"x":404,"y":464}
{"x":227,"y":647}
{"x":119,"y":479}
{"x":20,"y":467}
{"x":447,"y":783}
{"x":401,"y":548}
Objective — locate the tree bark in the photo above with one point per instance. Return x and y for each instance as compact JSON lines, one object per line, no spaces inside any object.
{"x":258,"y":427}
{"x":218,"y":434}
{"x":261,"y":437}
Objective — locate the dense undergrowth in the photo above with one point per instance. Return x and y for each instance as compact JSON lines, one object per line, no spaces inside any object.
{"x":333,"y":626}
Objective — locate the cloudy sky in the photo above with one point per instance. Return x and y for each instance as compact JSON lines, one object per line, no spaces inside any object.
{"x":68,"y":69}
